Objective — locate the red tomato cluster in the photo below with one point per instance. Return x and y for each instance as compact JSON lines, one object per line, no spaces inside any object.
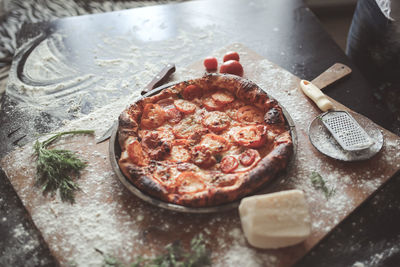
{"x":231,"y":64}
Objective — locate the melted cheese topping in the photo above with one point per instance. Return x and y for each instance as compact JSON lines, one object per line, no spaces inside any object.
{"x":213,"y":129}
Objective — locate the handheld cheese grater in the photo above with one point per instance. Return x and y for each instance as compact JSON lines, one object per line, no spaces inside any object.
{"x":343,"y":127}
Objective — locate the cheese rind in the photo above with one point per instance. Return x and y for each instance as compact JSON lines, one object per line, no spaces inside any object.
{"x":275,"y":220}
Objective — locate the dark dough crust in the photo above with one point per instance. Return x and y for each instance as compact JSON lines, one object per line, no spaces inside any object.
{"x":266,"y":169}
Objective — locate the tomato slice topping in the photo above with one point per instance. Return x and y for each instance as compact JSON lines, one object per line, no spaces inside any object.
{"x":153,"y":116}
{"x":166,"y":103}
{"x":222,"y":97}
{"x":229,"y":164}
{"x":192,"y":91}
{"x":250,"y":115}
{"x":202,"y":156}
{"x":187,"y":127}
{"x":232,"y":108}
{"x":173,"y":115}
{"x":251,"y":136}
{"x":215,"y":143}
{"x":185,"y":106}
{"x":216,"y":121}
{"x":247,"y":158}
{"x":211,"y":105}
{"x":189,"y":182}
{"x":179,"y":154}
{"x":135,"y":153}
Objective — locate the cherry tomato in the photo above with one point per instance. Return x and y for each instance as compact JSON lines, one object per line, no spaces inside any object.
{"x":192,"y":91}
{"x":249,"y":114}
{"x":210,"y":63}
{"x":247,"y":158}
{"x":216,"y":121}
{"x":153,"y":116}
{"x":185,"y":106}
{"x":232,"y":55}
{"x":229,"y":164}
{"x":251,"y":136}
{"x":232,"y":67}
{"x":222,"y":97}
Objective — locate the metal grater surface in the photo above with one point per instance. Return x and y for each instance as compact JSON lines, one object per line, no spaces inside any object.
{"x":346,"y":131}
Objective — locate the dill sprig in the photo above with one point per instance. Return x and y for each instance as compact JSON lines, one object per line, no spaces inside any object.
{"x":319,"y":183}
{"x":57,"y":168}
{"x":173,"y":256}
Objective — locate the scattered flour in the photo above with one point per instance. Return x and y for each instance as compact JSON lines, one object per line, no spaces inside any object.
{"x":107,"y":217}
{"x":378,"y":259}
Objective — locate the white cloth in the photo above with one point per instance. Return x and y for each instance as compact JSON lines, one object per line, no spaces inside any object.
{"x":390,"y":8}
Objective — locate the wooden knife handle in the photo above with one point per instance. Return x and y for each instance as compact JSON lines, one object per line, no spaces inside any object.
{"x":331,"y":75}
{"x":160,"y":78}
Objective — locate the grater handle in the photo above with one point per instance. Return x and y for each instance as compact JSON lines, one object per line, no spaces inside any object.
{"x":316,"y":95}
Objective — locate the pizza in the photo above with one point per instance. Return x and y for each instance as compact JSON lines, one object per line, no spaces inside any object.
{"x":204,"y":142}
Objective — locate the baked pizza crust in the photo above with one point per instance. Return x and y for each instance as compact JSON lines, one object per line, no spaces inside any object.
{"x":227,"y":187}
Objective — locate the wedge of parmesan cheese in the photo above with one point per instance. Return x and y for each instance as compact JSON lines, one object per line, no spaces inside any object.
{"x":275,"y":220}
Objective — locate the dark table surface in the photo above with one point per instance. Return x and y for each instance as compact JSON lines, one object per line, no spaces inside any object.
{"x":286,"y":32}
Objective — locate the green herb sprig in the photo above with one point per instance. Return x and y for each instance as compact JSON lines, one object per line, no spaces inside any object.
{"x":57,"y":168}
{"x":319,"y":183}
{"x":174,"y":256}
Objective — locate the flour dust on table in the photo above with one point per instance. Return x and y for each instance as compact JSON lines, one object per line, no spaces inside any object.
{"x":57,"y":86}
{"x":106,"y":216}
{"x":18,"y":12}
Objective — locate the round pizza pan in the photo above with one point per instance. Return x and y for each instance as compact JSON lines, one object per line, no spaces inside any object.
{"x":115,"y":153}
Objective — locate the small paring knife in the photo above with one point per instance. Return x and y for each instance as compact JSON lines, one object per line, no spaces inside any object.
{"x":158,"y":80}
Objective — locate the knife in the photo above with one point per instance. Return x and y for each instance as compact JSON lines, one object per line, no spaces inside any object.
{"x":158,"y":80}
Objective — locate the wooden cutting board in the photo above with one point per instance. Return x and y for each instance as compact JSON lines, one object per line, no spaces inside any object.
{"x":106,"y":216}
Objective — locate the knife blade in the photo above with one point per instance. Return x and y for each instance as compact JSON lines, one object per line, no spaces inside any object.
{"x":158,"y":80}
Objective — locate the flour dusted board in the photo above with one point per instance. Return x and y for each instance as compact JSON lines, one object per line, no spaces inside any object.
{"x":108,"y":217}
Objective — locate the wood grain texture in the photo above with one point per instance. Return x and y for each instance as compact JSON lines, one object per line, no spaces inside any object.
{"x":134,"y":228}
{"x":331,"y":75}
